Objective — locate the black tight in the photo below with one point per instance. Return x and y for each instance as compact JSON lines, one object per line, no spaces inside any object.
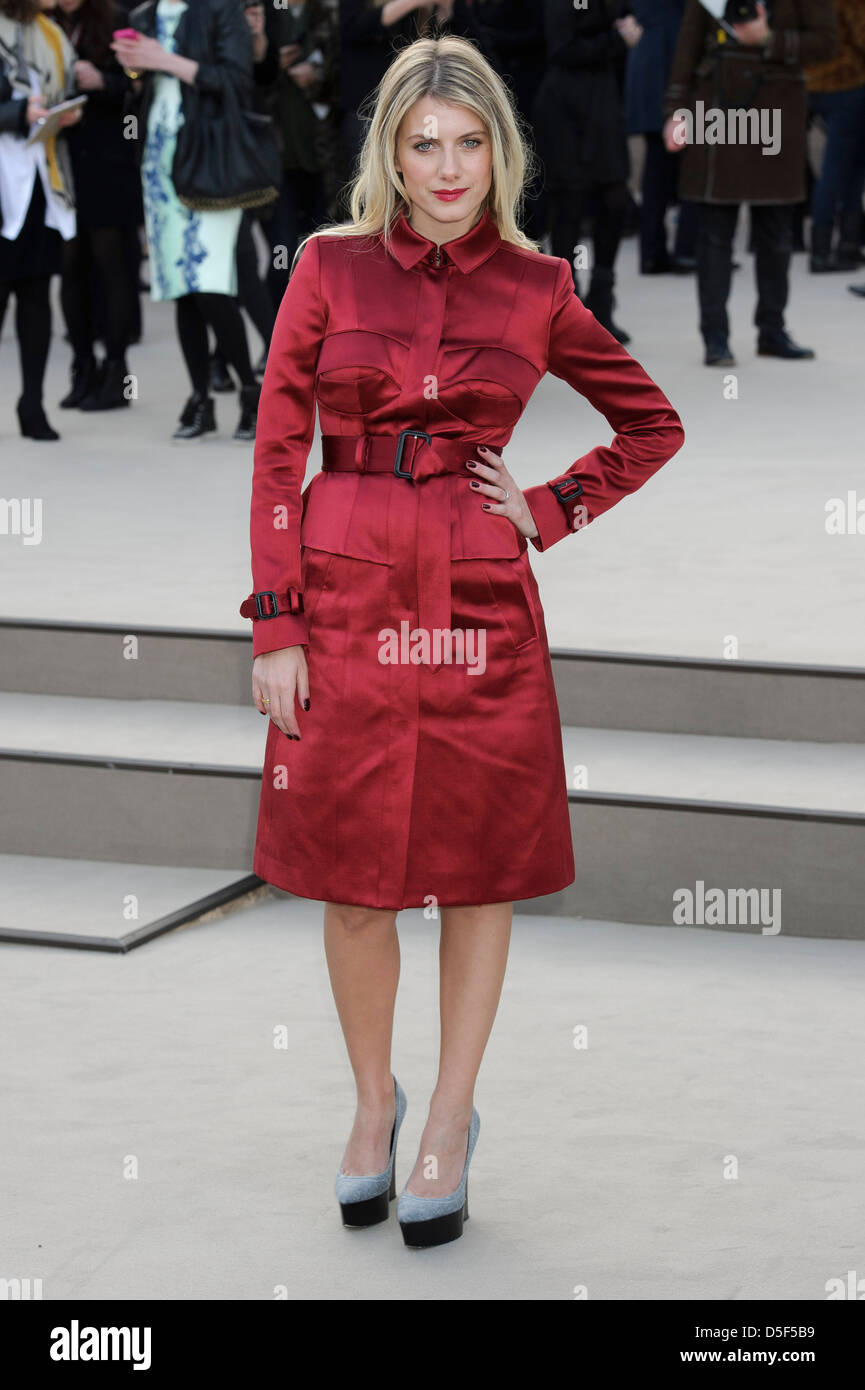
{"x":252,"y":291}
{"x":194,"y":312}
{"x":96,"y":290}
{"x":33,"y":330}
{"x":606,"y":203}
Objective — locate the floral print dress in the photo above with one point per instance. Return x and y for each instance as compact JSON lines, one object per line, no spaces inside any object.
{"x":189,"y":250}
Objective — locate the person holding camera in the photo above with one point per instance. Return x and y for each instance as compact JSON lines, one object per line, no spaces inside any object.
{"x":749,"y":65}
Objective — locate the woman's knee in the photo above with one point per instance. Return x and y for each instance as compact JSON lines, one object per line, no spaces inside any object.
{"x":351,"y":917}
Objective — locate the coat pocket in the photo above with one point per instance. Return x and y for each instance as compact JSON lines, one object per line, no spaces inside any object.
{"x":314,"y":567}
{"x":510,"y":596}
{"x":341,"y":517}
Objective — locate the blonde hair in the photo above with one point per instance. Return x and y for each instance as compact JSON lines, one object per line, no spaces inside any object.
{"x":448,"y":69}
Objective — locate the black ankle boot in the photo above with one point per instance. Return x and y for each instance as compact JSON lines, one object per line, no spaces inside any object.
{"x":848,"y":256}
{"x":33,"y":421}
{"x":249,"y":397}
{"x":109,"y":392}
{"x":600,"y":301}
{"x":84,"y":375}
{"x":717,"y":353}
{"x":822,"y":257}
{"x":780,"y":344}
{"x":197,"y":417}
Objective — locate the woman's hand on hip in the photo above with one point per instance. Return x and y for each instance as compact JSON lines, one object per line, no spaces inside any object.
{"x":493,"y":481}
{"x":277,"y":677}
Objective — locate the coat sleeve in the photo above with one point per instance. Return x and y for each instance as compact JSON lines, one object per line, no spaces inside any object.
{"x":690,"y":48}
{"x":232,"y":53}
{"x":581,"y":38}
{"x":360,"y":22}
{"x":813,"y":41}
{"x":13,"y":110}
{"x":283,"y":437}
{"x":648,"y":430}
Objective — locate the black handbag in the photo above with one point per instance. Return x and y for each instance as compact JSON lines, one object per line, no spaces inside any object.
{"x":226,"y":156}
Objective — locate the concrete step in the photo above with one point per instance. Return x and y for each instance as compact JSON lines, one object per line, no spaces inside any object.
{"x":653,"y":815}
{"x":95,"y":905}
{"x":608,"y":690}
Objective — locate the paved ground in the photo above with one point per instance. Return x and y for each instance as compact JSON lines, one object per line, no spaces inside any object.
{"x":602,"y":1166}
{"x":727,"y":542}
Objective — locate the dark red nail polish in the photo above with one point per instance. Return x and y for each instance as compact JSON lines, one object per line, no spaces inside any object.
{"x":306,"y":704}
{"x":485,"y":506}
{"x":473,"y":483}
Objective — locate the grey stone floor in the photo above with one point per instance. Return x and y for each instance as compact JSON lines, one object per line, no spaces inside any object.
{"x":158,"y":1145}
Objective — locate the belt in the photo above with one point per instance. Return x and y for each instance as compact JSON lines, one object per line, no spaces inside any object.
{"x":413,"y":455}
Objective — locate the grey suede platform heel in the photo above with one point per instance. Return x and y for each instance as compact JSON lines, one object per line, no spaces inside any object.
{"x":428,"y":1221}
{"x":365,"y":1200}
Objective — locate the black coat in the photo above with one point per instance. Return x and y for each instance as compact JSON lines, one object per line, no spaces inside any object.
{"x":578,"y":113}
{"x":367,"y":48}
{"x":649,"y":63}
{"x":510,"y":34}
{"x":215,"y":34}
{"x":104,"y":169}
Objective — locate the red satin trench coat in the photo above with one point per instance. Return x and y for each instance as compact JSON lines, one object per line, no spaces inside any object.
{"x":422,"y":777}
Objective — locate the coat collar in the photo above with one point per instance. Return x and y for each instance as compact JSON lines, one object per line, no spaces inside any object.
{"x":466,"y":252}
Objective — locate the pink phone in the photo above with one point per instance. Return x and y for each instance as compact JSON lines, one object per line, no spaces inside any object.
{"x":126,"y":34}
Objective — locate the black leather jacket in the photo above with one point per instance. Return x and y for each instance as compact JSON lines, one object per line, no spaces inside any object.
{"x":212,"y":32}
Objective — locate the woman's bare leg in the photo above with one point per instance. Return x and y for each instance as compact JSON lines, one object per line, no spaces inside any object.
{"x":473,"y":954}
{"x":362,"y":950}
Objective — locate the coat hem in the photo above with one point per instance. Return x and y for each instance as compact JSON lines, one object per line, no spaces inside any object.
{"x":282,"y":876}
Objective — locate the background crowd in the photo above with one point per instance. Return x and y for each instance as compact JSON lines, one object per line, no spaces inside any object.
{"x":227,"y":127}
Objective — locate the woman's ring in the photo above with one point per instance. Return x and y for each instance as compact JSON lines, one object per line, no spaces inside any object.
{"x":507,"y":495}
{"x":266,"y":702}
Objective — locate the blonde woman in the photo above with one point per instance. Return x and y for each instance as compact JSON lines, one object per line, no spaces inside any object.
{"x":414,"y":754}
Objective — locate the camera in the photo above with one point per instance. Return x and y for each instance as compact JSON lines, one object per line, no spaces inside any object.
{"x":740,"y":11}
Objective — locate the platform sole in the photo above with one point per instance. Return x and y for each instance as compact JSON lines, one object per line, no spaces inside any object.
{"x":370,"y":1211}
{"x":439,"y":1230}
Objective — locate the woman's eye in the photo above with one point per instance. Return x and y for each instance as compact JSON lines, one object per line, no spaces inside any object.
{"x":424,"y":144}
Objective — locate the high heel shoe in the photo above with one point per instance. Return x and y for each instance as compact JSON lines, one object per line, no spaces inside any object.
{"x":33,"y":422}
{"x":365,"y":1200}
{"x":436,"y":1220}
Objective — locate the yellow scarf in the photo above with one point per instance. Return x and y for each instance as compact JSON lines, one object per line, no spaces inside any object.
{"x":51,"y":33}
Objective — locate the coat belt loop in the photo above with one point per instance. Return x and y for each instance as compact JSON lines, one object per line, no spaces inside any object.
{"x":361,"y":450}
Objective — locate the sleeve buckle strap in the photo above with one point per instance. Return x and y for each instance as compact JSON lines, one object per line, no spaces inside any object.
{"x":567,"y":489}
{"x":289,"y":602}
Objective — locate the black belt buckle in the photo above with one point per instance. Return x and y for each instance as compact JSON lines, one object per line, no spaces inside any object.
{"x":567,"y":489}
{"x":400,"y":445}
{"x":266,"y":593}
